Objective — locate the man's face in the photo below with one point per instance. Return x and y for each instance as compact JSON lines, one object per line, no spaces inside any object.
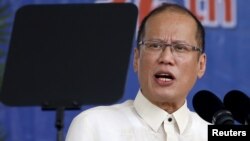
{"x":164,"y":76}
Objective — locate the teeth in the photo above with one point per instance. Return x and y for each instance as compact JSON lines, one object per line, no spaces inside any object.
{"x":164,"y":79}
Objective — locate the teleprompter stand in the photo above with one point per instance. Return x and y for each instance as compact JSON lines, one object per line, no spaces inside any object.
{"x":64,"y":56}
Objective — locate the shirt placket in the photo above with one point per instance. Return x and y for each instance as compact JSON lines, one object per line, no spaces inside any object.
{"x":169,"y":128}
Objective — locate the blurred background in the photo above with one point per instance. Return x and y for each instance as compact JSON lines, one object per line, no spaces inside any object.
{"x":227,"y":47}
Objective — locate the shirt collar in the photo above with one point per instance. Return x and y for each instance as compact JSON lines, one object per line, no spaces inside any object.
{"x":154,"y":116}
{"x":182,"y":116}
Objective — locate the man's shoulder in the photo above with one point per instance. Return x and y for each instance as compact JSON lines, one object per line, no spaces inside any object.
{"x":195,"y":117}
{"x":198,"y":127}
{"x":107,"y":110}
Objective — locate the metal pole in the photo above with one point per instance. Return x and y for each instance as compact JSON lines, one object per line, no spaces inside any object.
{"x":60,"y":123}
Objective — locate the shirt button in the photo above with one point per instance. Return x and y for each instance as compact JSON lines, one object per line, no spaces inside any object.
{"x":169,"y":119}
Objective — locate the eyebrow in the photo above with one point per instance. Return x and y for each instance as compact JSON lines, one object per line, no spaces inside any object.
{"x":173,"y":41}
{"x":180,"y":41}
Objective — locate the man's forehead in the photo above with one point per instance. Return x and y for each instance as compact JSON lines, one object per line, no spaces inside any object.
{"x":171,"y":12}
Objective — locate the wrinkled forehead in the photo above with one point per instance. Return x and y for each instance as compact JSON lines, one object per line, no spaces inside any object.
{"x":171,"y":25}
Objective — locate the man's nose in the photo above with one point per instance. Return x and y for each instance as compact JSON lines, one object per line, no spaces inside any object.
{"x":166,"y":56}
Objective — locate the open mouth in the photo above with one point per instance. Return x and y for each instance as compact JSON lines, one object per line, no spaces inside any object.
{"x":164,"y":77}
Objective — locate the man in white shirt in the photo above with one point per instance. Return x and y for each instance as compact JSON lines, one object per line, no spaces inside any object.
{"x":169,"y":59}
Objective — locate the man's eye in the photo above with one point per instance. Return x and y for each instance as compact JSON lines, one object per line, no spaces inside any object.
{"x":155,"y":45}
{"x":180,"y":48}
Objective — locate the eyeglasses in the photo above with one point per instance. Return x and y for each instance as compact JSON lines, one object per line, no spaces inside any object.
{"x":177,"y":47}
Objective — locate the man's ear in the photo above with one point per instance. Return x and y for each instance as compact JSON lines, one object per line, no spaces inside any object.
{"x":202,"y":65}
{"x":136,"y":59}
